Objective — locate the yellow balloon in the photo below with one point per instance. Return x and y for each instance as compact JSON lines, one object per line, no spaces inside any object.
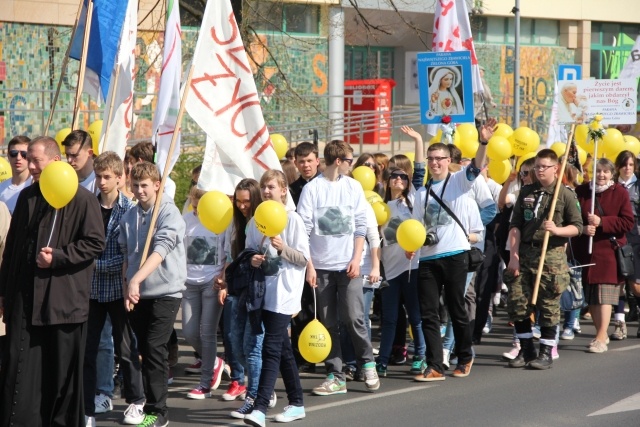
{"x":372,"y":197}
{"x":280,"y":145}
{"x":410,"y":331}
{"x":612,"y":143}
{"x":524,"y":140}
{"x":60,"y":136}
{"x":468,"y":148}
{"x":95,"y":131}
{"x":5,"y":169}
{"x":632,"y":144}
{"x":523,"y":159}
{"x":467,"y":132}
{"x":215,"y":211}
{"x":314,"y":342}
{"x":559,"y":148}
{"x":499,"y":148}
{"x":499,"y":171}
{"x":411,"y":235}
{"x":582,"y":155}
{"x":503,"y":129}
{"x":382,"y":211}
{"x":59,"y":184}
{"x":365,"y":176}
{"x":271,"y":218}
{"x":411,"y":155}
{"x":582,"y":138}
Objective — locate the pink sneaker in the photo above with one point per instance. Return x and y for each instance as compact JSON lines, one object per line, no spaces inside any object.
{"x":513,"y":353}
{"x":194,"y":368}
{"x":554,"y":353}
{"x":235,"y":391}
{"x":199,"y":393}
{"x":217,"y":373}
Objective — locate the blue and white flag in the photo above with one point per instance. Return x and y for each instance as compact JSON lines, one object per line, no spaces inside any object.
{"x":106,"y":27}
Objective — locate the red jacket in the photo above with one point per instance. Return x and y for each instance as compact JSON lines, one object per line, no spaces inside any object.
{"x":617,"y":221}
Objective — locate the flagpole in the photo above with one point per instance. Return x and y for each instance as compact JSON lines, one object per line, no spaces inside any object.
{"x":593,"y":185}
{"x":65,"y":62}
{"x":112,"y":101}
{"x":552,"y":210}
{"x":83,"y":66}
{"x":167,"y":165}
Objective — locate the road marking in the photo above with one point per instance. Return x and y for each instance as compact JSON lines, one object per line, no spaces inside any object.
{"x":631,"y":403}
{"x":371,"y":396}
{"x":631,"y":347}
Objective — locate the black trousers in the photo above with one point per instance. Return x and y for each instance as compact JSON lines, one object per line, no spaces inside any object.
{"x":448,"y":274}
{"x":125,"y":349}
{"x":41,"y":375}
{"x":299,"y":322}
{"x":152,"y":321}
{"x":486,"y":281}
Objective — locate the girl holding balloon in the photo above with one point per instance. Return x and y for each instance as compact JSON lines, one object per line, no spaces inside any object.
{"x":282,"y":241}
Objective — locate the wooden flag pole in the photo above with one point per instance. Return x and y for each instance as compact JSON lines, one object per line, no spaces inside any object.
{"x":167,"y":165}
{"x":83,"y":67}
{"x":593,"y":186}
{"x":63,"y":71}
{"x":556,"y":193}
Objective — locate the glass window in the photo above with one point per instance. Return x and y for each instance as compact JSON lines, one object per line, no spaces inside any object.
{"x":609,"y":34}
{"x":495,"y":30}
{"x":265,"y":15}
{"x":301,"y":18}
{"x":546,"y":32}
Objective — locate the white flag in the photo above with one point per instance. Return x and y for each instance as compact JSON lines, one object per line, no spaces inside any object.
{"x":557,"y":132}
{"x":631,"y":69}
{"x":223,"y":100}
{"x":166,"y":116}
{"x":119,"y":120}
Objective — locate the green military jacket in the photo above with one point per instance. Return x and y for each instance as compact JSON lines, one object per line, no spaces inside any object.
{"x":532,"y":209}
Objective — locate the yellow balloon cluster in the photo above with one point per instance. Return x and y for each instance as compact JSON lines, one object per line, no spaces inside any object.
{"x":314,"y":342}
{"x":280,"y":145}
{"x":524,"y":140}
{"x":523,"y":159}
{"x":612,"y":144}
{"x":382,"y":211}
{"x":632,"y":144}
{"x":499,"y":170}
{"x":372,"y":196}
{"x":411,"y":235}
{"x":215,"y":211}
{"x":499,"y":148}
{"x":271,"y":218}
{"x":365,"y":176}
{"x":59,"y":184}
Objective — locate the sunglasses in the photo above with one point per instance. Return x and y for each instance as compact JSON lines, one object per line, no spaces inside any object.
{"x":524,"y":173}
{"x":396,"y":175}
{"x":371,"y":165}
{"x":14,"y":153}
{"x":350,"y":161}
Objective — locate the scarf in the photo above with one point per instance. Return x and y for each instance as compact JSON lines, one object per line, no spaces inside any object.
{"x":601,"y":188}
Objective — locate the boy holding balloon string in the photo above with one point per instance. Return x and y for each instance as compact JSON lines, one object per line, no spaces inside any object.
{"x":154,"y":289}
{"x":283,"y":259}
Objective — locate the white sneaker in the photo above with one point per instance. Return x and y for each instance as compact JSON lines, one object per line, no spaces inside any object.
{"x":513,"y":353}
{"x":103,"y":403}
{"x":90,"y":421}
{"x":273,"y":400}
{"x":134,"y":414}
{"x":445,"y":358}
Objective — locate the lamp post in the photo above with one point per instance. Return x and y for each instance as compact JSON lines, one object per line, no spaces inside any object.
{"x":516,"y":67}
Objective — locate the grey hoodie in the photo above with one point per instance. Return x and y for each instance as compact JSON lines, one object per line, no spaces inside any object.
{"x":168,"y":241}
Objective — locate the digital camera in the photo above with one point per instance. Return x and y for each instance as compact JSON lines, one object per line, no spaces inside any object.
{"x":432,"y":239}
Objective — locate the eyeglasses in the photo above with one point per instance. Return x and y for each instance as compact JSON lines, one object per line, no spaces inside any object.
{"x":436,"y":159}
{"x":524,"y":174}
{"x":14,"y":153}
{"x":371,"y":165}
{"x":348,"y":160}
{"x":542,"y":168}
{"x":396,"y":175}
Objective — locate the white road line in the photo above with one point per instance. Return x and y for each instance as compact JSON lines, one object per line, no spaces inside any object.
{"x":631,"y":403}
{"x":371,"y":396}
{"x":631,"y":347}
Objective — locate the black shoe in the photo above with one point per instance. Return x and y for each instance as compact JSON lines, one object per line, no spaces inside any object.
{"x":544,"y":360}
{"x":526,"y":354}
{"x":349,"y":372}
{"x":307,"y":368}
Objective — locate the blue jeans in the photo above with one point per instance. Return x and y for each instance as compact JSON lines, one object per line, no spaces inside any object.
{"x":398,"y":286}
{"x":105,"y":361}
{"x":277,"y":356}
{"x":237,"y":370}
{"x":348,"y":353}
{"x":247,"y":348}
{"x":201,"y":313}
{"x":448,"y":342}
{"x":570,"y":317}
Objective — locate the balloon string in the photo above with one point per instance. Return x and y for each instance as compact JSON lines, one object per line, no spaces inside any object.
{"x":315,"y":313}
{"x":409,"y":281}
{"x":53,"y":227}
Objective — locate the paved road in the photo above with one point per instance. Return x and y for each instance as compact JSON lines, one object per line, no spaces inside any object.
{"x":581,"y":389}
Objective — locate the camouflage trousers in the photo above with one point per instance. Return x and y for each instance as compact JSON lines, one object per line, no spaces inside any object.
{"x":554,"y":281}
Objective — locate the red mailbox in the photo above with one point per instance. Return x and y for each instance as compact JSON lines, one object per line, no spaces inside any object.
{"x":367,"y":109}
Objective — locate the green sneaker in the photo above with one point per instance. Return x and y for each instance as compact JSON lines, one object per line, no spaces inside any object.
{"x":331,"y":385}
{"x":154,"y":420}
{"x":381,"y":370}
{"x":418,"y":365}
